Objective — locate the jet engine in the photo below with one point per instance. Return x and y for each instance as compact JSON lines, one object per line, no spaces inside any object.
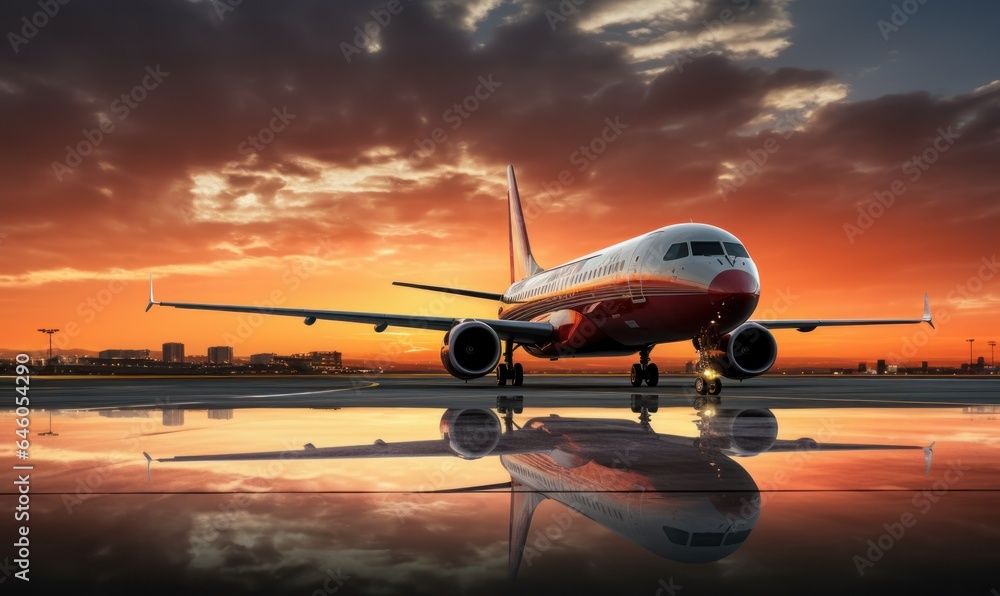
{"x":748,"y":351}
{"x":471,"y":350}
{"x":471,"y":433}
{"x":739,"y":432}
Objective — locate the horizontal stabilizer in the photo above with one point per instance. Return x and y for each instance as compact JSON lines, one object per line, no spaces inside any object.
{"x":460,"y":292}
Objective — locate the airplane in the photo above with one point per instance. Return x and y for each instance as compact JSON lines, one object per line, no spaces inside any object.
{"x":684,"y":282}
{"x":682,"y":498}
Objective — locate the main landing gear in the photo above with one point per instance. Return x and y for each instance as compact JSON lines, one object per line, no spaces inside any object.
{"x":507,"y":370}
{"x":645,"y":370}
{"x":644,"y":405}
{"x":508,"y":406}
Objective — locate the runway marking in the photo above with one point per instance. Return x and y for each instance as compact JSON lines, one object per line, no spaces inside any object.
{"x":207,"y":404}
{"x":369,"y":386}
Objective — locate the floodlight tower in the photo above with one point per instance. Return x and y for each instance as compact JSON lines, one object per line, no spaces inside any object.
{"x":971,"y":362}
{"x":50,"y":332}
{"x":993,"y":363}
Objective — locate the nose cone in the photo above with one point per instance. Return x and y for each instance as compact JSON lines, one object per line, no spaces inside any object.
{"x":734,"y":295}
{"x":733,"y":282}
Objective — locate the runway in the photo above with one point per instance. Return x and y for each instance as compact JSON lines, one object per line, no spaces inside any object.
{"x":422,"y":391}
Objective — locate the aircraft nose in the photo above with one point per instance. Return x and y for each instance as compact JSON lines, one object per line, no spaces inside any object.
{"x":734,"y":282}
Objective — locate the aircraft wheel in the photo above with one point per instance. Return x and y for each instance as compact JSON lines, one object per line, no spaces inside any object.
{"x":652,"y":375}
{"x":701,"y":386}
{"x":636,"y":376}
{"x":715,"y":387}
{"x":636,"y":404}
{"x":700,"y":402}
{"x":502,"y":375}
{"x":518,"y":375}
{"x":714,"y":400}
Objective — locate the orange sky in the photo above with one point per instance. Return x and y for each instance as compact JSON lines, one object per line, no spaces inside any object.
{"x":338,"y":204}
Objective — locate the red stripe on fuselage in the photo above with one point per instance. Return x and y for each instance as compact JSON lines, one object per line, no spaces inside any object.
{"x":609,"y":320}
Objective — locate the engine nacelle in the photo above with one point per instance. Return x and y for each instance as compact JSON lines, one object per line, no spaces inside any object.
{"x":471,"y":350}
{"x":739,"y":432}
{"x":471,"y":433}
{"x":748,"y":351}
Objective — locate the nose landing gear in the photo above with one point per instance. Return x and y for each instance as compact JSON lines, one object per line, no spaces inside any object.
{"x":708,"y":382}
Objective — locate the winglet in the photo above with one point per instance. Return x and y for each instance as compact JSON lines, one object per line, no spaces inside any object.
{"x":927,"y":311}
{"x":151,"y":301}
{"x":149,"y":466}
{"x":928,"y":456}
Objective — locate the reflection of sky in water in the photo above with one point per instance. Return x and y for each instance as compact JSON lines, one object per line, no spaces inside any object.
{"x":458,"y":543}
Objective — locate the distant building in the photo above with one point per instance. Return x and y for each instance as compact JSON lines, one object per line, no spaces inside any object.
{"x":923,"y":366}
{"x":173,"y":352}
{"x":123,"y":354}
{"x":689,"y":367}
{"x":880,"y":367}
{"x":862,"y":367}
{"x":262,"y":358}
{"x":326,"y":360}
{"x":220,"y":355}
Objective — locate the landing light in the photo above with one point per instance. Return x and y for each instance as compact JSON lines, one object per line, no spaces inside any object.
{"x":711,"y":374}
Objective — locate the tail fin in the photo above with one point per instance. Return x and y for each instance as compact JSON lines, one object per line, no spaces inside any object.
{"x":523,"y":502}
{"x":522,"y":263}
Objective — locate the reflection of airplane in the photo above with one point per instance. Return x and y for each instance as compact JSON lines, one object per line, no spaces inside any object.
{"x":683,"y":498}
{"x":678,"y":283}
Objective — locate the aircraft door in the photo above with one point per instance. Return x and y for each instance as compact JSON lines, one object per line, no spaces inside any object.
{"x":637,"y":262}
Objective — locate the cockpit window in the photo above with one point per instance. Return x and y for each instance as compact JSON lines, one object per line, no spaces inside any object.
{"x":676,"y":536}
{"x":735,"y":249}
{"x":676,"y":251}
{"x":707,"y":539}
{"x":736,"y":537}
{"x":706,"y":249}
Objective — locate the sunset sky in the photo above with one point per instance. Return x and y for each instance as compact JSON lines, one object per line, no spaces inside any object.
{"x":272,"y":151}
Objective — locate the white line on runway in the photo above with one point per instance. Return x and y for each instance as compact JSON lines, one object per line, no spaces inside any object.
{"x":210,"y":405}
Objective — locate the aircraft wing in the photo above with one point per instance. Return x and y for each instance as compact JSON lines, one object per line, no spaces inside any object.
{"x":509,"y":444}
{"x":806,"y":325}
{"x":806,"y":444}
{"x":518,"y":331}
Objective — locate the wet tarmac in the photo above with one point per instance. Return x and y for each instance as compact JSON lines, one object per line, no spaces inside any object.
{"x":421,"y":485}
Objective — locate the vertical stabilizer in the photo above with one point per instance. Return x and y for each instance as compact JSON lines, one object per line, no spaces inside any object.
{"x":523,"y":502}
{"x":522,"y":263}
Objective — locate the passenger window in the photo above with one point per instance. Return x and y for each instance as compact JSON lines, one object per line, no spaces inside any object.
{"x":706,"y":249}
{"x":676,"y":251}
{"x":735,"y":249}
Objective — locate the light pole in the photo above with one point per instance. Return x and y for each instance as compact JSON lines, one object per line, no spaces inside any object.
{"x":993,"y":363}
{"x":50,"y":332}
{"x":50,"y":433}
{"x":970,"y":354}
